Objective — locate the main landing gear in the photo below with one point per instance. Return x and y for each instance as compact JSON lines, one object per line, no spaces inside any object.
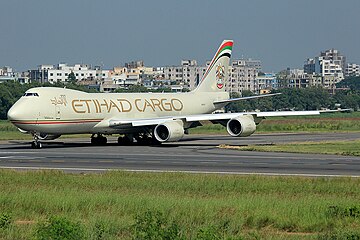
{"x":98,"y":139}
{"x":142,"y":139}
{"x":36,"y":144}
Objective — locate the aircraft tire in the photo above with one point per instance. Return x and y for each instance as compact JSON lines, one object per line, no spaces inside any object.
{"x":36,"y":145}
{"x":125,"y":141}
{"x":99,"y":140}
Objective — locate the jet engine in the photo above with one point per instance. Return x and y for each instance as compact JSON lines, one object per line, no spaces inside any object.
{"x":171,"y":131}
{"x":242,"y":126}
{"x":44,"y":136}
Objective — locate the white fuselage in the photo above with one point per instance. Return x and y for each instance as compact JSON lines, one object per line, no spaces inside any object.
{"x":66,"y":111}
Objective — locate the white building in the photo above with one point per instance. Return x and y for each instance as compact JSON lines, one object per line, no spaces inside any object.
{"x":60,"y":73}
{"x":352,"y":70}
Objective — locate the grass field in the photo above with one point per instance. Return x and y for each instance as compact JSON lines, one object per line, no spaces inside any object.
{"x":198,"y":206}
{"x":334,"y":122}
{"x":351,"y":148}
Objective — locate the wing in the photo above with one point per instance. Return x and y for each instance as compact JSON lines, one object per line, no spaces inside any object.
{"x":147,"y":122}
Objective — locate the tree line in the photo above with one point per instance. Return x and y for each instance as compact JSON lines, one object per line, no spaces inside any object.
{"x":290,"y":99}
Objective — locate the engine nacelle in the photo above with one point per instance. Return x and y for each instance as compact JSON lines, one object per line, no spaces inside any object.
{"x":242,"y":126}
{"x":44,"y":136}
{"x":170,"y":131}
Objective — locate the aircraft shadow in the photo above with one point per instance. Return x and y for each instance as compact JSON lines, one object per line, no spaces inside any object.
{"x":17,"y":145}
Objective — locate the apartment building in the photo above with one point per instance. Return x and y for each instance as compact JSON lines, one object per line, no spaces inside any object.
{"x":330,"y":65}
{"x":352,"y":70}
{"x":242,"y":74}
{"x":60,"y":73}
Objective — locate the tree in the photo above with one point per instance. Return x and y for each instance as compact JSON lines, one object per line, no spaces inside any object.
{"x":133,"y":89}
{"x":71,"y":78}
{"x":352,"y":82}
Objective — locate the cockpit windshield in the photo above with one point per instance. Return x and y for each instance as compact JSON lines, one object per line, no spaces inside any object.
{"x":29,"y":94}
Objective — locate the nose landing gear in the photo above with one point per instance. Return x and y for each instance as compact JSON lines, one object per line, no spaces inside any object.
{"x":36,"y":144}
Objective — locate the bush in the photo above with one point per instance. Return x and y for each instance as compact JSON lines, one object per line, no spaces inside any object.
{"x":341,"y":235}
{"x":153,"y":225}
{"x":208,"y":233}
{"x":336,"y":211}
{"x":5,"y":221}
{"x":101,"y":231}
{"x":59,"y":228}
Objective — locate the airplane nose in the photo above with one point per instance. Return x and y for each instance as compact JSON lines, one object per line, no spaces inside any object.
{"x":13,"y":114}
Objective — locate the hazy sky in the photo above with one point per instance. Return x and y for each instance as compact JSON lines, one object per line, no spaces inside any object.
{"x":280,"y":33}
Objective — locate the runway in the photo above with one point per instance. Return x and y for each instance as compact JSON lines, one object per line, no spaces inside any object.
{"x":194,"y":154}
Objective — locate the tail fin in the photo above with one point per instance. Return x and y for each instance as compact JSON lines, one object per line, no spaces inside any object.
{"x":216,"y":73}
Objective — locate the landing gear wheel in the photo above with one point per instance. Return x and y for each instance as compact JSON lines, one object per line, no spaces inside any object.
{"x":154,"y":141}
{"x":143,"y":140}
{"x":98,"y":140}
{"x":36,"y":145}
{"x":126,"y":140}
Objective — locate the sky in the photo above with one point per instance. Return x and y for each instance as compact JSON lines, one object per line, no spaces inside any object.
{"x":280,"y":33}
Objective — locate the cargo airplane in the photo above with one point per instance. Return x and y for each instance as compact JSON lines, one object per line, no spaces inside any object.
{"x":48,"y":112}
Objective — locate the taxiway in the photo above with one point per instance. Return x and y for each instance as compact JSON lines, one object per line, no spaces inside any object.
{"x":194,"y":154}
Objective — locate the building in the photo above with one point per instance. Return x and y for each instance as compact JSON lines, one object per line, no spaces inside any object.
{"x":266,"y":82}
{"x":188,"y":74}
{"x":352,"y":70}
{"x":309,"y":66}
{"x":242,"y":76}
{"x":61,"y":72}
{"x":334,"y":57}
{"x":330,"y":65}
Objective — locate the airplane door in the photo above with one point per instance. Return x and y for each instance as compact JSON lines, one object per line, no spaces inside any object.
{"x":57,"y":112}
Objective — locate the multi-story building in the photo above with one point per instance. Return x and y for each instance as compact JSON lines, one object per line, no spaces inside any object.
{"x":335,"y":58}
{"x":309,"y":66}
{"x":327,"y":67}
{"x":7,"y":71}
{"x":60,"y":73}
{"x":352,"y":70}
{"x":188,"y":74}
{"x":266,"y":82}
{"x":330,"y":64}
{"x":242,"y":74}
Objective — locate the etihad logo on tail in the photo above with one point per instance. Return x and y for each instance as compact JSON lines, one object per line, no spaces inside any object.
{"x":220,"y":74}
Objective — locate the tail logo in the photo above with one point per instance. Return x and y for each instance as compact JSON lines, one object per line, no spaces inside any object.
{"x":220,"y":74}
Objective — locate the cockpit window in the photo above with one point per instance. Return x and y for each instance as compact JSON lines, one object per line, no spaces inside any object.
{"x":29,"y":94}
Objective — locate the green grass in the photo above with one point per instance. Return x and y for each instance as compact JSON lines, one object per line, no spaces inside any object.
{"x":351,"y":148}
{"x":334,"y":122}
{"x":249,"y":207}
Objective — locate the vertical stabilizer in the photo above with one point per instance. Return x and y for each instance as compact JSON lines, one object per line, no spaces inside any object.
{"x":217,"y":71}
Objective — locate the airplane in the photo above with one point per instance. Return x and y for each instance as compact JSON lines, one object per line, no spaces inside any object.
{"x":149,"y":118}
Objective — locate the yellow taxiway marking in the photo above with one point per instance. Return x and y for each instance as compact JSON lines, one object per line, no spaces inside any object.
{"x":34,"y":160}
{"x":106,"y":161}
